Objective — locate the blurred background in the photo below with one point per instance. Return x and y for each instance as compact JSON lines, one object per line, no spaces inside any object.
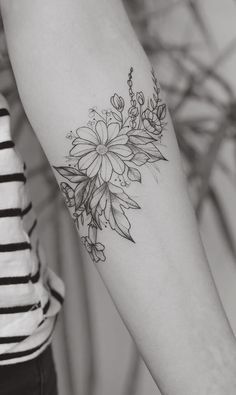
{"x":192,"y":45}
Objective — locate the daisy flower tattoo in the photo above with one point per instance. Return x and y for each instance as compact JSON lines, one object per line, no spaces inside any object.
{"x":108,"y":155}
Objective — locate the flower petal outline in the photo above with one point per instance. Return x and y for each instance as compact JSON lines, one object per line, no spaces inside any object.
{"x":121,"y":139}
{"x":81,"y":149}
{"x":117,"y":164}
{"x":87,"y":160}
{"x":94,"y":168}
{"x":121,"y":150}
{"x":101,"y":129}
{"x":113,"y":130}
{"x":106,"y":168}
{"x":88,"y":134}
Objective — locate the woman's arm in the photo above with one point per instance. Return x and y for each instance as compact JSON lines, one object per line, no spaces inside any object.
{"x":123,"y":183}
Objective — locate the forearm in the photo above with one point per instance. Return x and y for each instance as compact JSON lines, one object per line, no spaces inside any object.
{"x":161,"y":284}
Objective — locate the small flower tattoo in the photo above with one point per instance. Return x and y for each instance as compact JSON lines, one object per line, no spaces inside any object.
{"x":108,"y":155}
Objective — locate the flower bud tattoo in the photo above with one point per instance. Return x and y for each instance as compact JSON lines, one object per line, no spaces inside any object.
{"x":106,"y":157}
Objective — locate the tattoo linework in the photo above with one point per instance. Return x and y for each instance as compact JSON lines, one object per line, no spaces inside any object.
{"x":106,"y":155}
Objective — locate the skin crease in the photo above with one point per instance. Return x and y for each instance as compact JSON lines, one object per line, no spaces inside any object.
{"x":67,"y":57}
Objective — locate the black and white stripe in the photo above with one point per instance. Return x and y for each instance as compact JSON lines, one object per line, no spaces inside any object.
{"x":26,"y":322}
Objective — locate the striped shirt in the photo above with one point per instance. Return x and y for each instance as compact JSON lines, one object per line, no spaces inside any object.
{"x":30,"y":293}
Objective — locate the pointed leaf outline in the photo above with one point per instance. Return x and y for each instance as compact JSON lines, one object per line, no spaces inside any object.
{"x":134,"y":174}
{"x":70,"y":173}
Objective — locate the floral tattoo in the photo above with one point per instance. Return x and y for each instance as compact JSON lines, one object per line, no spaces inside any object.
{"x":106,"y":157}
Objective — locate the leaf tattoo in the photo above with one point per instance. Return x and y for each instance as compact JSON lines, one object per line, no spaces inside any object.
{"x":108,"y":155}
